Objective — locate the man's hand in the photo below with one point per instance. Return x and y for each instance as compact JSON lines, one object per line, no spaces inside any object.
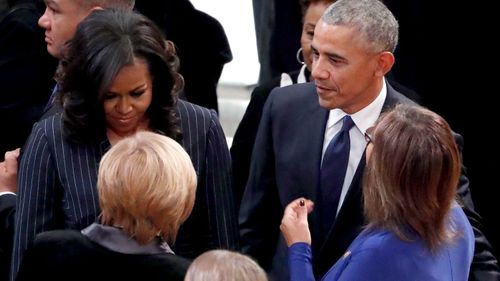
{"x":8,"y":171}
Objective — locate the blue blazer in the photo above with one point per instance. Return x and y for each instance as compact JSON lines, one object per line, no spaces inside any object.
{"x":379,"y":255}
{"x":285,"y":165}
{"x":57,"y":184}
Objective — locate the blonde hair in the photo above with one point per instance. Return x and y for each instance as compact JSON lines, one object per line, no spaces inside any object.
{"x":224,"y":265}
{"x":146,"y":186}
{"x":412,"y":175}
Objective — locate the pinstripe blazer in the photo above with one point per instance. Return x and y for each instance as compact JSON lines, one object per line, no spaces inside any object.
{"x":57,"y":184}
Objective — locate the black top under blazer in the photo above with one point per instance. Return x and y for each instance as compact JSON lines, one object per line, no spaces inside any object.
{"x":70,"y":255}
{"x":285,"y":165}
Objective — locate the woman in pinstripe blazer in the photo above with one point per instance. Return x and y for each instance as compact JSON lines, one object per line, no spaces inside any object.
{"x":118,"y":77}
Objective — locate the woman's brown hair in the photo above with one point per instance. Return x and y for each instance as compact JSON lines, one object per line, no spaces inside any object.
{"x":412,"y":175}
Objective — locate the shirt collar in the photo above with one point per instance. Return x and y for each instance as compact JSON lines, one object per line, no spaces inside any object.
{"x":115,"y":239}
{"x":7,"y":192}
{"x":302,"y":77}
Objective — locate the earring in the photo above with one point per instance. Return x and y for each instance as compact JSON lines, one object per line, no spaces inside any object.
{"x":299,"y":56}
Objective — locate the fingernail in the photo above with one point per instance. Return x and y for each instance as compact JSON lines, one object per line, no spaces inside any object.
{"x":302,"y":202}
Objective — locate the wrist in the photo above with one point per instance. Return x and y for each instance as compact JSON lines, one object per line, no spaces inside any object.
{"x":6,"y":192}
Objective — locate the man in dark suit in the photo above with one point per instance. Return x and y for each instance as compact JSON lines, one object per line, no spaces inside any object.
{"x":353,"y":50}
{"x":26,"y":71}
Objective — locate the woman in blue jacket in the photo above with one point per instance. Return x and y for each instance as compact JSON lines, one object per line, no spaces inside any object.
{"x":415,"y":229}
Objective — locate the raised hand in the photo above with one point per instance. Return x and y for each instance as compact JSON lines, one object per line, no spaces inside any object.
{"x":8,"y":171}
{"x":294,"y":225}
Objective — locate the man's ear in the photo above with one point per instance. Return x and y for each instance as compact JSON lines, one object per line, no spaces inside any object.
{"x":385,"y":61}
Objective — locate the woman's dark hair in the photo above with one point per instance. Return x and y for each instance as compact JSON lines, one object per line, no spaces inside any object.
{"x":104,"y":42}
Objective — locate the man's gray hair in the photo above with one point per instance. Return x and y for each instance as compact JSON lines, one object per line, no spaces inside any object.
{"x":374,"y":22}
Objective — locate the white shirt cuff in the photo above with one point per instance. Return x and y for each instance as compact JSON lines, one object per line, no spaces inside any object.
{"x":6,"y":192}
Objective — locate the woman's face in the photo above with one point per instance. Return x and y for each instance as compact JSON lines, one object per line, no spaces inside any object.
{"x":128,"y":99}
{"x":311,"y":17}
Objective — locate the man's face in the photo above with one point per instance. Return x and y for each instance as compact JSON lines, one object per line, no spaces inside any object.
{"x":60,"y":20}
{"x":344,"y":71}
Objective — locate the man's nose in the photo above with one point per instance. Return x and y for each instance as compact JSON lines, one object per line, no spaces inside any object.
{"x":43,"y":21}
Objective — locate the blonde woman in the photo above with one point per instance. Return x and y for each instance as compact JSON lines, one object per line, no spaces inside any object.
{"x":146,"y":187}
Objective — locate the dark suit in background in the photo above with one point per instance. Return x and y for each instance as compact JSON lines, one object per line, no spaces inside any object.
{"x":57,"y":184}
{"x":7,"y":210}
{"x":278,"y":26}
{"x":26,"y":71}
{"x":4,"y":7}
{"x":286,"y":164}
{"x":201,"y":43}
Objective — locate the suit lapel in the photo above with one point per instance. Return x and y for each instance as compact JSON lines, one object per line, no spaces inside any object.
{"x":315,"y":127}
{"x":298,"y":144}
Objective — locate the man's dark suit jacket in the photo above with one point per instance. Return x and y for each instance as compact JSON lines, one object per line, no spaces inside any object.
{"x":26,"y":71}
{"x":7,"y":208}
{"x":69,"y":255}
{"x":285,"y":165}
{"x":57,"y":184}
{"x":244,"y":137}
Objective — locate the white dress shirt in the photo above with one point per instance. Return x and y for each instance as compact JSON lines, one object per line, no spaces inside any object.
{"x":363,"y":119}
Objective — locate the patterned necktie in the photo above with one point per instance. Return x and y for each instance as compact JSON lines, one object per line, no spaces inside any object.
{"x":332,"y":173}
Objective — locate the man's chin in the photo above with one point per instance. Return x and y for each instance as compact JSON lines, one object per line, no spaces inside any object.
{"x":53,"y":52}
{"x":327,"y":104}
